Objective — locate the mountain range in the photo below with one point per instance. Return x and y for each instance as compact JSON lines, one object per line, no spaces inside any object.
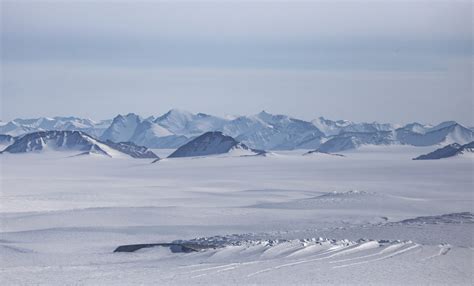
{"x":263,"y":131}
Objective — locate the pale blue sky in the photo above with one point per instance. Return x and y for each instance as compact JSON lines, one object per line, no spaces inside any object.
{"x":391,"y":61}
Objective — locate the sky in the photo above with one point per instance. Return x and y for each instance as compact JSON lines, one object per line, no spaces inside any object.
{"x":386,"y":61}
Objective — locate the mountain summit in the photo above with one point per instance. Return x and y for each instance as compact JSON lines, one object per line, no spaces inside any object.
{"x":212,"y":143}
{"x":75,"y":141}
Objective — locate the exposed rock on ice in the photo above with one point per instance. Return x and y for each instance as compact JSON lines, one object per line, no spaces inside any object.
{"x":75,"y":141}
{"x":212,"y":143}
{"x":450,"y":150}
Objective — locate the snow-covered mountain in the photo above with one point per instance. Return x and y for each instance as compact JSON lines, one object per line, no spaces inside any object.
{"x":5,"y":141}
{"x":277,"y":132}
{"x":177,"y":127}
{"x":213,"y":143}
{"x":368,"y":127}
{"x":184,"y":123}
{"x":450,"y":150}
{"x":416,"y":127}
{"x":352,"y":140}
{"x":444,"y":133}
{"x":414,"y":134}
{"x":331,"y":128}
{"x":122,"y":128}
{"x":19,"y":127}
{"x":146,"y":132}
{"x":42,"y":141}
{"x":260,"y":131}
{"x":152,"y":135}
{"x":14,"y":128}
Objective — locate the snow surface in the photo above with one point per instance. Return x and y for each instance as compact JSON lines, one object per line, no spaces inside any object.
{"x":372,"y":217}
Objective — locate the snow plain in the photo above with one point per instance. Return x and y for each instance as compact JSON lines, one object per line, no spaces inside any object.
{"x":282,"y":219}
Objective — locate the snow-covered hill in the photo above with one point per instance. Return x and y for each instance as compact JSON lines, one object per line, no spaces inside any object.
{"x":43,"y":141}
{"x":213,"y":143}
{"x":450,"y":150}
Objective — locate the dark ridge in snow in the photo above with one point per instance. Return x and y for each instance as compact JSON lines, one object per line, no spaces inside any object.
{"x":175,"y":247}
{"x":247,"y":239}
{"x":56,"y":140}
{"x":74,"y":141}
{"x":452,"y":218}
{"x":450,"y":150}
{"x":135,"y":151}
{"x":211,"y":143}
{"x":320,"y":152}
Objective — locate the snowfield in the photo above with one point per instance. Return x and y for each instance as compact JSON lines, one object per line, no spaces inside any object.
{"x":374,"y":216}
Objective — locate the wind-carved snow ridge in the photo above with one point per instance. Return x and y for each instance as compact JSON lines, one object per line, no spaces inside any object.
{"x":253,"y":240}
{"x":254,"y":257}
